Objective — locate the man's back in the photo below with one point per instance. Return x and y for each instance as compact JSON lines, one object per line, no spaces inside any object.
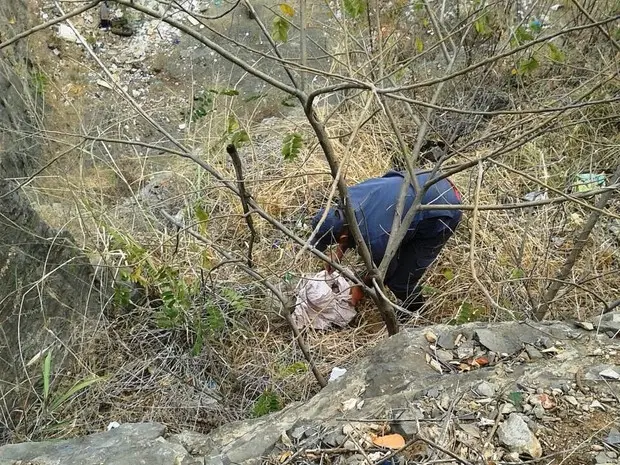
{"x":375,"y":202}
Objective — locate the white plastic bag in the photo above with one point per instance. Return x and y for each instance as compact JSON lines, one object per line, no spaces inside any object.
{"x":323,"y":300}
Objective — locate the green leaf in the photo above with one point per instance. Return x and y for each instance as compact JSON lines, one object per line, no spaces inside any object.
{"x":279,"y":29}
{"x":289,"y":101}
{"x":482,"y":26}
{"x":203,"y":218}
{"x":291,"y":146}
{"x":556,"y":54}
{"x":517,"y":273}
{"x":429,"y":290}
{"x":354,"y":8}
{"x":419,"y":45}
{"x":47,"y":373}
{"x":528,"y":66}
{"x":287,"y":9}
{"x":468,"y":313}
{"x":199,"y":341}
{"x":239,"y":138}
{"x":522,"y":35}
{"x":448,"y":274}
{"x":296,"y":368}
{"x":229,"y":92}
{"x":77,"y":387}
{"x":516,"y":399}
{"x":266,"y":403}
{"x":214,"y":319}
{"x":232,"y":124}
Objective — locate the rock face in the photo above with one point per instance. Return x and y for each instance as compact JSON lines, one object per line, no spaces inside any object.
{"x":399,"y":389}
{"x":128,"y":444}
{"x":47,"y":285}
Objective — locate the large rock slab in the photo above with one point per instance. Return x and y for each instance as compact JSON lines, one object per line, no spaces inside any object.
{"x":129,"y":444}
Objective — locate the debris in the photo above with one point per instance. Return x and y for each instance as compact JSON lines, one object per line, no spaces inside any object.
{"x":336,"y":373}
{"x":350,"y":404}
{"x":613,"y":438}
{"x":515,"y":434}
{"x":113,"y":425}
{"x":431,"y":337}
{"x":544,"y":400}
{"x":390,"y":441}
{"x":471,"y":429}
{"x":610,"y":373}
{"x":585,"y":325}
{"x":66,"y":33}
{"x":556,"y":7}
{"x":103,"y":83}
{"x":535,"y":196}
{"x":588,"y":181}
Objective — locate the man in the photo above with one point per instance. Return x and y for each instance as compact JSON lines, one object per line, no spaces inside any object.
{"x":374,"y":202}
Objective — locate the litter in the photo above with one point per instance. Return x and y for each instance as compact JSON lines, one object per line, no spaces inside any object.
{"x":336,"y":373}
{"x":323,"y":300}
{"x":588,"y":181}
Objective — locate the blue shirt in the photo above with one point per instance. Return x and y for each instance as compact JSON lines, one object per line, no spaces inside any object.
{"x":374,"y":202}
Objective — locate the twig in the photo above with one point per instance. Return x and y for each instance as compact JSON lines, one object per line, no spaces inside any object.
{"x":472,"y":247}
{"x":245,"y":197}
{"x":444,"y":450}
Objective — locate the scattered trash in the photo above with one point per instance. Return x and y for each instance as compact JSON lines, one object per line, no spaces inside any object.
{"x":535,"y":196}
{"x":322,"y":301}
{"x":113,"y":425}
{"x":556,"y":7}
{"x":66,"y":33}
{"x":588,"y":181}
{"x":103,"y":83}
{"x":336,"y":373}
{"x":390,"y":441}
{"x":610,"y":373}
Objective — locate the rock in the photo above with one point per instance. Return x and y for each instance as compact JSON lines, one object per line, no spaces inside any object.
{"x":444,"y":355}
{"x":587,"y":325}
{"x":539,"y":412}
{"x":471,"y":430}
{"x":129,"y":443}
{"x":447,"y":340}
{"x":194,"y":443}
{"x":465,"y":350}
{"x":601,"y":458}
{"x":486,"y":389}
{"x":498,"y":342}
{"x":515,"y":434}
{"x":607,"y":322}
{"x":571,"y":400}
{"x":613,"y":438}
{"x":406,"y":423}
{"x":64,"y":32}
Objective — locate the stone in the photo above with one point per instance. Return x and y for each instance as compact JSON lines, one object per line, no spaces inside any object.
{"x":607,"y":322}
{"x":613,"y":438}
{"x":517,"y":437}
{"x":406,"y":424}
{"x":601,"y":459}
{"x":444,"y":355}
{"x":539,"y":412}
{"x":129,"y":443}
{"x":571,"y":400}
{"x":465,"y":350}
{"x":500,"y":343}
{"x":486,"y":389}
{"x":447,"y":340}
{"x":194,"y":443}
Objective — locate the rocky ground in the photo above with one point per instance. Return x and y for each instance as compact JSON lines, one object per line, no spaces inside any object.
{"x":503,"y":393}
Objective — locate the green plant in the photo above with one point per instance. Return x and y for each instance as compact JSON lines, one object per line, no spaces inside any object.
{"x":266,"y":403}
{"x":53,"y":403}
{"x":291,"y":146}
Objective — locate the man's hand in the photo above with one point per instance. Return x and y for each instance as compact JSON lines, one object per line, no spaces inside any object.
{"x":357,"y":294}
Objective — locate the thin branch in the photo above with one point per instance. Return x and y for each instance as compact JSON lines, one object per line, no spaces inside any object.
{"x":287,"y":303}
{"x":579,"y":244}
{"x":245,"y":197}
{"x":472,"y":246}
